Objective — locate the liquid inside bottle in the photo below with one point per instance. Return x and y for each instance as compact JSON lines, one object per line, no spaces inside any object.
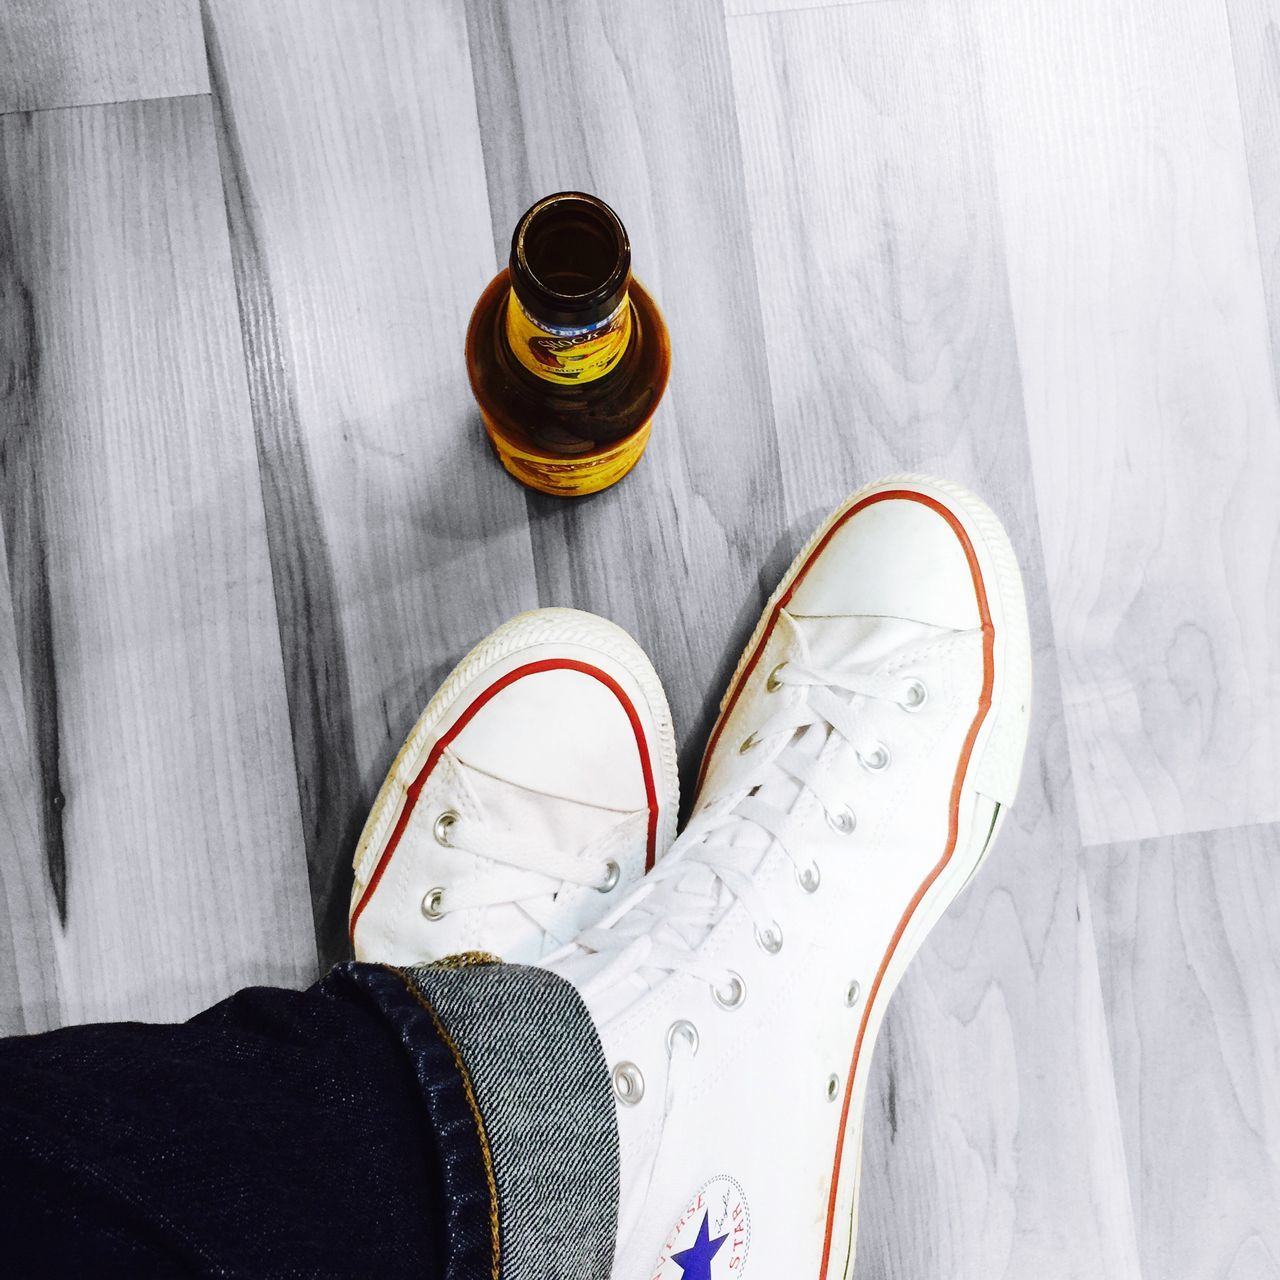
{"x":567,"y":353}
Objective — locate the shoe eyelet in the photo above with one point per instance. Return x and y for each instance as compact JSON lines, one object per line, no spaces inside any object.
{"x":915,"y":696}
{"x":833,"y":1087}
{"x":809,"y":878}
{"x":746,"y":744}
{"x":844,"y":822}
{"x":433,"y":903}
{"x":773,"y":684}
{"x":770,"y":940}
{"x":612,"y":874}
{"x":852,"y":992}
{"x":444,"y":824}
{"x":734,"y":997}
{"x":628,"y":1083}
{"x":683,"y":1029}
{"x":878,"y":761}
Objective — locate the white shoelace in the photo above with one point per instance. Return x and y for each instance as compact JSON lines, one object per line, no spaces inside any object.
{"x":716,"y":857}
{"x":534,"y":874}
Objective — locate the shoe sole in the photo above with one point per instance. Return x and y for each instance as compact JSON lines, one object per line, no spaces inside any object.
{"x":992,"y":770}
{"x":539,"y":627}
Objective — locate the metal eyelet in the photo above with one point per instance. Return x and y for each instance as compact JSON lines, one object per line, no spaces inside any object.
{"x":809,"y":878}
{"x":628,"y":1083}
{"x":443,"y":826}
{"x":773,"y":684}
{"x":433,"y":903}
{"x":683,"y":1029}
{"x":852,"y":992}
{"x":612,"y":874}
{"x":770,"y":940}
{"x":877,"y":761}
{"x":736,"y":994}
{"x":833,"y":1087}
{"x":915,"y":697}
{"x":843,"y":822}
{"x":746,"y":744}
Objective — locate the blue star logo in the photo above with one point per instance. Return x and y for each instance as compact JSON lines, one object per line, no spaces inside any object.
{"x":695,"y":1262}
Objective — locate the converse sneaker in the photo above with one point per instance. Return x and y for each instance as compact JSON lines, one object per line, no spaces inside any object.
{"x":864,"y":756}
{"x":539,"y":784}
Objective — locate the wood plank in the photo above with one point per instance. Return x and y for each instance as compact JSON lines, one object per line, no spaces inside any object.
{"x":635,"y":104}
{"x":359,"y":221}
{"x":1137,"y":297}
{"x":133,"y":517}
{"x":746,"y":8}
{"x":1255,"y":47}
{"x":65,"y":53}
{"x":28,"y":972}
{"x":992,"y":1145}
{"x":1186,"y":933}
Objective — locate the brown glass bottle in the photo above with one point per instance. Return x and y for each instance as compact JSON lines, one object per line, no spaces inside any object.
{"x":567,"y":353}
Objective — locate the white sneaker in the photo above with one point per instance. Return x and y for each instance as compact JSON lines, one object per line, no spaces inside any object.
{"x":866,"y":750}
{"x":539,"y":784}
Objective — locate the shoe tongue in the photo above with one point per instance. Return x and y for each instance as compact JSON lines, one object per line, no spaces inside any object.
{"x":531,"y":818}
{"x":848,"y":644}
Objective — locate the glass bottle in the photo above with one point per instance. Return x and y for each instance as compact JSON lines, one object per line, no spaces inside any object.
{"x":567,"y":353}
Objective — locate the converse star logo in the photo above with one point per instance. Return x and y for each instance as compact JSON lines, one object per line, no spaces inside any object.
{"x":710,"y":1238}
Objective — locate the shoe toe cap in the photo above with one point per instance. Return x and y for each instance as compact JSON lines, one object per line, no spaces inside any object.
{"x":563,"y":733}
{"x":899,"y":555}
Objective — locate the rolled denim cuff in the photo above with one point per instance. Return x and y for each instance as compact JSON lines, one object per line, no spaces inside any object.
{"x":517,"y":1093}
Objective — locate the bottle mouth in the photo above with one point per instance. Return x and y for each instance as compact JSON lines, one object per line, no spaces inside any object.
{"x":570,"y":260}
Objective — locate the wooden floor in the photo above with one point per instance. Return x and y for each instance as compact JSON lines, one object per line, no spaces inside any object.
{"x":249,"y":520}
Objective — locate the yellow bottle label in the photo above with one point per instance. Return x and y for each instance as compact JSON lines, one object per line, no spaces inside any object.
{"x":570,"y":477}
{"x":568,"y":355}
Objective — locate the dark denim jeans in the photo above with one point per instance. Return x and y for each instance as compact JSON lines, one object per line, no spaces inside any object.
{"x":384,"y":1123}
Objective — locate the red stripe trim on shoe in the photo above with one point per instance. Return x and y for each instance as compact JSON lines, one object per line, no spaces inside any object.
{"x":532,"y":668}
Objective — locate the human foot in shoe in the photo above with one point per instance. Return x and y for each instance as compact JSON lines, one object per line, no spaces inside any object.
{"x":538,"y":785}
{"x":866,"y":751}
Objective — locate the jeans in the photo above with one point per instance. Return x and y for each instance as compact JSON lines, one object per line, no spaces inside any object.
{"x":442,"y":1122}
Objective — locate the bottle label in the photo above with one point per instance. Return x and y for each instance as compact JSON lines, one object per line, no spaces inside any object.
{"x":568,"y":355}
{"x":569,"y":477}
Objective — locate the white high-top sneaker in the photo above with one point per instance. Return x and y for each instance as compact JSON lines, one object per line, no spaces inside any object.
{"x":538,"y":785}
{"x":865,"y":753}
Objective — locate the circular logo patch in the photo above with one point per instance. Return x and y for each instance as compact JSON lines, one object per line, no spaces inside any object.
{"x":710,"y":1239}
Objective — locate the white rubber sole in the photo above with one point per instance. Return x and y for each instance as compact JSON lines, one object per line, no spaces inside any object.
{"x":994,"y":767}
{"x":571,"y":629}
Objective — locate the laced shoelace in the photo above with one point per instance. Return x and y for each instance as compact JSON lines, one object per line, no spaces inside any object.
{"x":535,"y":874}
{"x":684,"y":895}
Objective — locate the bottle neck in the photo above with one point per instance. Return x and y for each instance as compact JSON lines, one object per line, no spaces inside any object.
{"x":569,"y":356}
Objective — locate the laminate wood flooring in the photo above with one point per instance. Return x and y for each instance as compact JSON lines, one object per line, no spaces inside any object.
{"x":249,"y":519}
